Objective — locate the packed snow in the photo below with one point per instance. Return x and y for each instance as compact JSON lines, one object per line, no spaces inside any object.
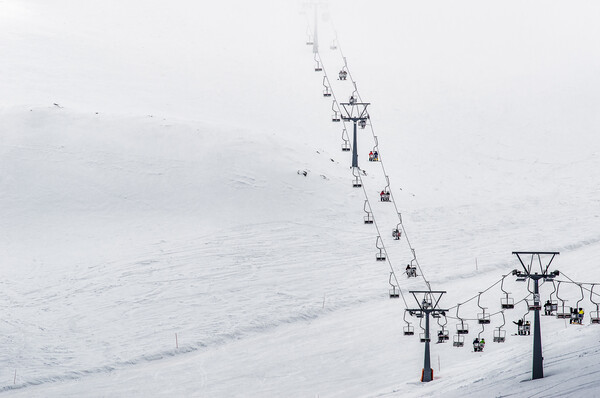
{"x":178,"y":218}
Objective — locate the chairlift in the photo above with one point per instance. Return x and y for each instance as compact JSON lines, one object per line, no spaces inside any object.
{"x":336,"y":114}
{"x":362,"y":123}
{"x":423,"y":336}
{"x":478,"y":343}
{"x":343,"y":75}
{"x":408,"y":330}
{"x":482,"y":317}
{"x":499,"y":334}
{"x":563,"y":313}
{"x":346,"y":143}
{"x":533,"y":305}
{"x":368,"y":219}
{"x":333,"y":45}
{"x":411,"y":268}
{"x":380,"y":256}
{"x":577,"y":312}
{"x":506,"y":302}
{"x":395,"y":290}
{"x":551,"y":306}
{"x":594,"y":315}
{"x":396,"y":232}
{"x":524,"y":328}
{"x":458,"y":340}
{"x":443,"y":334}
{"x":462,"y":327}
{"x":374,"y":155}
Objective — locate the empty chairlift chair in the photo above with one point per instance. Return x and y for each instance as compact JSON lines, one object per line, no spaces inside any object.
{"x":380,"y":256}
{"x":346,"y":141}
{"x":499,"y":333}
{"x":395,"y":290}
{"x":336,"y":114}
{"x":462,"y":327}
{"x":368,"y":219}
{"x":423,"y":336}
{"x":408,"y":330}
{"x":506,"y":302}
{"x":594,"y":315}
{"x":356,"y":182}
{"x":318,"y":67}
{"x":562,"y":312}
{"x":327,"y":89}
{"x":483,"y":318}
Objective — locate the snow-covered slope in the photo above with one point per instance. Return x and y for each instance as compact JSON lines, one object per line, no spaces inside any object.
{"x":158,"y":238}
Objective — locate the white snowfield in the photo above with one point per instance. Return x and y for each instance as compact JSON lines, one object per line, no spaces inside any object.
{"x":159,"y":236}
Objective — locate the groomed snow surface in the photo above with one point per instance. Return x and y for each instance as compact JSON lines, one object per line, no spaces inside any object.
{"x":159,"y":239}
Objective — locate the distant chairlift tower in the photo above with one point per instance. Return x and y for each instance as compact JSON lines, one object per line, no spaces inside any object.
{"x":357,"y":113}
{"x":538,"y":360}
{"x":428,"y":301}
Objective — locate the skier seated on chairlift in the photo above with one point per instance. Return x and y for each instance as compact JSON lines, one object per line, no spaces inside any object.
{"x":343,"y":75}
{"x":375,"y":156}
{"x":352,"y":100}
{"x":548,"y":308}
{"x":396,"y":234}
{"x":371,"y":156}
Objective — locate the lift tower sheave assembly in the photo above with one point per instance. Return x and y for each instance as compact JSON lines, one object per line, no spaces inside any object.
{"x":428,"y":302}
{"x":528,"y":272}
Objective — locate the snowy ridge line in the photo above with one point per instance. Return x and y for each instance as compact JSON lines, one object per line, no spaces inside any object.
{"x":336,"y":104}
{"x":381,"y":161}
{"x":221,"y":340}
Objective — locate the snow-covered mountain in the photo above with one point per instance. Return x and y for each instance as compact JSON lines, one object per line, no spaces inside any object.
{"x":160,"y":236}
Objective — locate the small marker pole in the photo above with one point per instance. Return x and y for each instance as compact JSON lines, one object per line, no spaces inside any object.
{"x":176,"y":341}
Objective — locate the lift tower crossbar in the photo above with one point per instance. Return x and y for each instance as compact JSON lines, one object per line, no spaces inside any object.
{"x":428,"y":301}
{"x":538,"y":360}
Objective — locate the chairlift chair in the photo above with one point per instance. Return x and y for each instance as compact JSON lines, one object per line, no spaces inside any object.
{"x":507,"y":302}
{"x":533,"y":306}
{"x":343,"y":75}
{"x":346,"y":146}
{"x":423,"y":338}
{"x":318,"y":67}
{"x":443,"y":334}
{"x":499,"y":334}
{"x":462,"y":327}
{"x":458,"y":341}
{"x":524,"y":329}
{"x":356,"y":183}
{"x":395,"y":290}
{"x":577,"y":313}
{"x":483,"y":318}
{"x":594,"y":315}
{"x":384,"y":196}
{"x":368,"y":219}
{"x":326,"y":93}
{"x":562,"y":313}
{"x":336,"y":115}
{"x":362,"y":123}
{"x":396,"y":233}
{"x":407,"y":330}
{"x":379,"y":245}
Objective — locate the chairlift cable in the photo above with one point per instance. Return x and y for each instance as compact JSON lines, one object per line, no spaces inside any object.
{"x":318,"y":55}
{"x":383,"y":166}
